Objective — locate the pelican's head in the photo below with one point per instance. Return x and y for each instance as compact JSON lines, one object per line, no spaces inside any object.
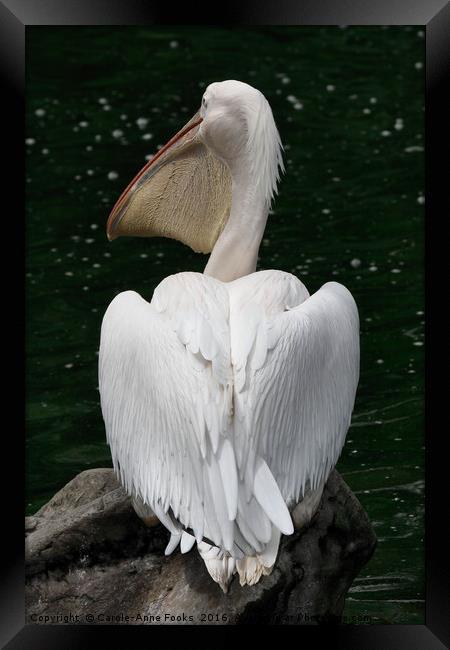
{"x":238,"y":127}
{"x":184,"y":191}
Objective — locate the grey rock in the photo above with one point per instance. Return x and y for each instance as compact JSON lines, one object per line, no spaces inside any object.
{"x":91,"y":560}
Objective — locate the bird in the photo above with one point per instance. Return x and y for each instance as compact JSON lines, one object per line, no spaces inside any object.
{"x":226,"y":398}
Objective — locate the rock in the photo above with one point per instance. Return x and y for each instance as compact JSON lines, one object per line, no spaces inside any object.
{"x":90,"y":559}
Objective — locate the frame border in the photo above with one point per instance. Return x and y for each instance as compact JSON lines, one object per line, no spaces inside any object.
{"x":434,"y":16}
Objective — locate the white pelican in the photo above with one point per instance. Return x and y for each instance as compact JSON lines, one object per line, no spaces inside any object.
{"x":227,"y":398}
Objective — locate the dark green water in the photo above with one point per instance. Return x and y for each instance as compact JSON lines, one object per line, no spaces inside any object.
{"x":349,"y":106}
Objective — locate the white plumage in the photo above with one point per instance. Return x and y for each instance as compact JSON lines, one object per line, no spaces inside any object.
{"x":226,"y":402}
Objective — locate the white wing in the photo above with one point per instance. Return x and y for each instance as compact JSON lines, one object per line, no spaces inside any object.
{"x":221,"y":406}
{"x":166,"y":389}
{"x":296,"y":377}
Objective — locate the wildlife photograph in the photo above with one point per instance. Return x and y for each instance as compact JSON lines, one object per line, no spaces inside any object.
{"x":225,"y":325}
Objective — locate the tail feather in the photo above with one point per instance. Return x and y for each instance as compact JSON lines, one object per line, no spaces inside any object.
{"x":221,"y":566}
{"x":251,"y":568}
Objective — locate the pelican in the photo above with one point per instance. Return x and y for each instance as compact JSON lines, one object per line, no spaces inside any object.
{"x":227,"y":398}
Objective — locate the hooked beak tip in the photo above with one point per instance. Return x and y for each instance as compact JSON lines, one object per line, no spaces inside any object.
{"x":110,"y":236}
{"x":110,"y":225}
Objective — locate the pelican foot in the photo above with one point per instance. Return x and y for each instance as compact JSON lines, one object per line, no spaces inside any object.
{"x":305,"y":509}
{"x":144,"y":512}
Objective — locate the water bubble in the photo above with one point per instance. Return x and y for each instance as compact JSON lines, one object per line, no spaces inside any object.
{"x":40,"y":112}
{"x":355,"y":263}
{"x":112,"y":175}
{"x":117,"y":133}
{"x":102,"y":100}
{"x":418,"y":65}
{"x":30,"y":141}
{"x":142,"y":122}
{"x":147,"y":136}
{"x":385,"y":133}
{"x":173,"y":44}
{"x":331,"y":88}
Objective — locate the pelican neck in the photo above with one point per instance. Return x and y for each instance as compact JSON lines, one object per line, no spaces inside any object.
{"x":235,"y":253}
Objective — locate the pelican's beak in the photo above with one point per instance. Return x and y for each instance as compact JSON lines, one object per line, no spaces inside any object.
{"x":175,"y":145}
{"x":183,"y":192}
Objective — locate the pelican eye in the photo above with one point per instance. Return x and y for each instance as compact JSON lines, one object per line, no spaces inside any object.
{"x":205,"y":103}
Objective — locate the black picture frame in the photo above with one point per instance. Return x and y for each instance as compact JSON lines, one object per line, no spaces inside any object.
{"x":15,"y":16}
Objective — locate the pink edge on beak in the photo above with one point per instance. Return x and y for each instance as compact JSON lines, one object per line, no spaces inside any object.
{"x":115,"y":213}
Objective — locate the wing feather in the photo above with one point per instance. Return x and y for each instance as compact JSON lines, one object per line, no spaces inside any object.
{"x":164,"y":406}
{"x":224,"y":403}
{"x":298,"y":402}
